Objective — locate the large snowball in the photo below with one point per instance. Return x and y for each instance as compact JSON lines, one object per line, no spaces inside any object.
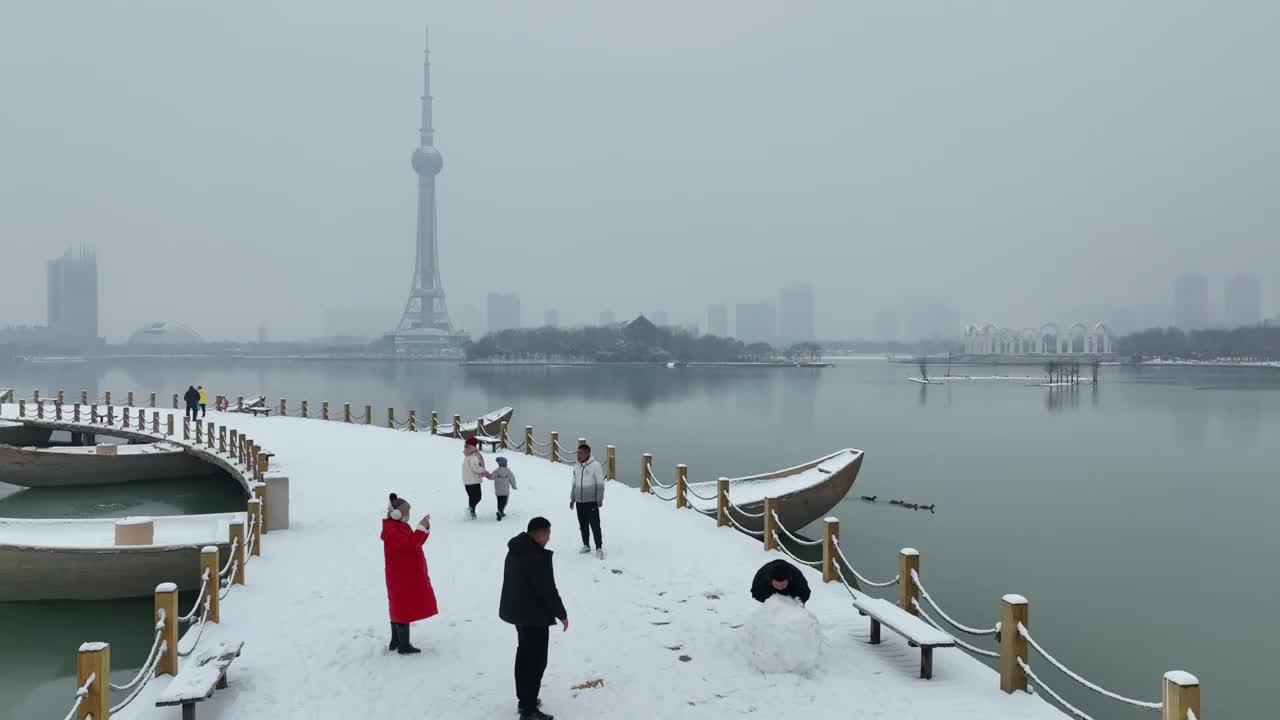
{"x":782,"y":637}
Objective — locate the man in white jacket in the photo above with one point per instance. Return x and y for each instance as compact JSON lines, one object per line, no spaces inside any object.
{"x":587,"y":496}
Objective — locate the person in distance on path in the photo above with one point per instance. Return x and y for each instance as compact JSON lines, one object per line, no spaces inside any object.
{"x":531,"y":602}
{"x":410,"y":596}
{"x":779,"y":577}
{"x":192,"y":398}
{"x":504,"y":481}
{"x":204,"y":400}
{"x":587,"y":495}
{"x":472,"y":472}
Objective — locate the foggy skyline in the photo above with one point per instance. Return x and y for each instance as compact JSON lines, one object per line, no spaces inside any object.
{"x":246,"y":165}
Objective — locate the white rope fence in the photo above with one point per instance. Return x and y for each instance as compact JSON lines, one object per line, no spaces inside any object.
{"x":231,"y":556}
{"x":793,"y":538}
{"x":155,"y":647}
{"x":1026,"y":635}
{"x":200,"y":633}
{"x":748,"y":513}
{"x":982,"y":632}
{"x":80,"y":696}
{"x":1040,"y":684}
{"x":690,"y":491}
{"x":204,"y":583}
{"x":144,"y":675}
{"x":655,"y":481}
{"x":248,"y":544}
{"x":971,"y":648}
{"x":227,"y":584}
{"x":890,"y":583}
{"x":756,"y":533}
{"x":788,"y":553}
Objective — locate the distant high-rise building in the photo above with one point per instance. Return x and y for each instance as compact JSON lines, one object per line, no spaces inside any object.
{"x":503,"y":310}
{"x":551,"y":318}
{"x":606,"y":318}
{"x":1191,"y":301}
{"x":262,"y":334}
{"x":795,"y":304}
{"x":887,"y":326}
{"x":73,"y":297}
{"x":1243,"y":306}
{"x":659,"y":318}
{"x":756,"y":322}
{"x":718,"y":320}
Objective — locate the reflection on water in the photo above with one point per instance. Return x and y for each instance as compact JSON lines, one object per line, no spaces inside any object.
{"x":211,"y":493}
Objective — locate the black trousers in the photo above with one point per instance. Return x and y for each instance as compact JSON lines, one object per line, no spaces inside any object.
{"x":589,"y":517}
{"x":193,"y":411}
{"x":531,"y":662}
{"x":502,"y":503}
{"x":204,"y":411}
{"x":473,"y":495}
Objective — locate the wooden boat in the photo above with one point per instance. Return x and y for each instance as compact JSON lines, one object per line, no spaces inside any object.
{"x":258,"y":402}
{"x":490,"y":425}
{"x":75,"y":465}
{"x":78,"y":559}
{"x":803,"y":494}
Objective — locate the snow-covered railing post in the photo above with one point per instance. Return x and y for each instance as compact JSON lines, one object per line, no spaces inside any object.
{"x":610,"y":460}
{"x":222,"y":439}
{"x":682,"y":474}
{"x":722,"y":502}
{"x":413,"y":421}
{"x":264,"y":461}
{"x":1013,"y":646}
{"x":208,"y":436}
{"x":175,"y":401}
{"x":124,"y":418}
{"x":151,"y":401}
{"x":155,"y":421}
{"x":1181,"y":696}
{"x":346,"y":412}
{"x":142,"y":420}
{"x":555,"y":446}
{"x":646,"y":463}
{"x":84,"y":397}
{"x":39,"y":410}
{"x":167,"y":608}
{"x":830,"y":536}
{"x":368,"y":414}
{"x":186,"y":428}
{"x":391,"y":418}
{"x":60,"y":396}
{"x":528,"y":439}
{"x":57,"y":411}
{"x":435,"y":423}
{"x":302,"y":412}
{"x":324,"y":410}
{"x":94,"y":661}
{"x":22,"y":408}
{"x":128,"y":402}
{"x":457,"y":426}
{"x":255,"y":525}
{"x":106,"y":398}
{"x":235,"y":536}
{"x":168,"y":426}
{"x":239,"y":402}
{"x":284,"y":408}
{"x":111,"y":414}
{"x":260,"y":494}
{"x":209,"y":564}
{"x":75,"y":413}
{"x":199,"y":432}
{"x":93,"y":413}
{"x":502,"y":435}
{"x":908,"y":591}
{"x":770,"y":532}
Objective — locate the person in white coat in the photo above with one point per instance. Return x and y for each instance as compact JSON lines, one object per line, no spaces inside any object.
{"x":472,"y":472}
{"x":587,"y":496}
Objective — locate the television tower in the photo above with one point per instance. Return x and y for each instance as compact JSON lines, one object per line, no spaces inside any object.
{"x":425,"y":325}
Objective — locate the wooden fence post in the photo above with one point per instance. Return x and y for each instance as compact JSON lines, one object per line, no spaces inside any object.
{"x":830,"y":534}
{"x":57,"y":411}
{"x":151,"y":403}
{"x":682,"y":485}
{"x":255,"y":534}
{"x":60,"y":397}
{"x":770,"y":532}
{"x":175,"y":401}
{"x":528,"y":439}
{"x":222,"y":439}
{"x":555,"y":446}
{"x":129,"y":399}
{"x":39,"y":410}
{"x":124,"y":418}
{"x":186,"y":428}
{"x":457,"y":426}
{"x":142,"y":419}
{"x":106,"y":398}
{"x":1181,"y":696}
{"x":646,"y":462}
{"x":111,"y":414}
{"x":368,"y":414}
{"x":169,"y":426}
{"x":209,"y":564}
{"x":167,"y":603}
{"x":75,"y":414}
{"x":722,"y":502}
{"x":502,"y":435}
{"x":155,"y":422}
{"x":94,"y":659}
{"x":303,"y":411}
{"x":1013,"y":611}
{"x":199,"y":433}
{"x":93,"y":412}
{"x":260,"y":492}
{"x":284,"y":408}
{"x":324,"y":410}
{"x":908,"y":560}
{"x":611,"y":463}
{"x":84,"y":397}
{"x":413,"y":421}
{"x":236,"y":538}
{"x":346,"y":412}
{"x":435,"y":423}
{"x":22,"y":408}
{"x":391,"y":418}
{"x":208,"y":436}
{"x":239,"y":402}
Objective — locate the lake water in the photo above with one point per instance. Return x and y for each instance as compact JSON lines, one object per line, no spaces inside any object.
{"x":1128,"y":513}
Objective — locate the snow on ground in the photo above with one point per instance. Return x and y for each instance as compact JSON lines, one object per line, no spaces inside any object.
{"x":94,"y":533}
{"x":662,"y":623}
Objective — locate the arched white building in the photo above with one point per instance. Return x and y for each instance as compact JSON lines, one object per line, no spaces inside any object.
{"x":991,"y":339}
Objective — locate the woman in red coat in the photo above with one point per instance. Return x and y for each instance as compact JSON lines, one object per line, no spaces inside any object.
{"x":409,"y":592}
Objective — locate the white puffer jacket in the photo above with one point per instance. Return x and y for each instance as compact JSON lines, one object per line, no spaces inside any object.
{"x":588,"y":482}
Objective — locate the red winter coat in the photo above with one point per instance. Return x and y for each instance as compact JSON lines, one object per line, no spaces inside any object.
{"x":409,"y":590}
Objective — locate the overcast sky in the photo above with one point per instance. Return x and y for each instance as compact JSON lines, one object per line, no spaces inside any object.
{"x":240,"y":163}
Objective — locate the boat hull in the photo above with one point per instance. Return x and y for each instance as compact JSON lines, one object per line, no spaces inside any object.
{"x":37,"y":468}
{"x":42,"y":573}
{"x":491,"y":425}
{"x":797,"y":508}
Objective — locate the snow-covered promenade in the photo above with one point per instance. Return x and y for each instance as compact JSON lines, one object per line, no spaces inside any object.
{"x":657,"y":629}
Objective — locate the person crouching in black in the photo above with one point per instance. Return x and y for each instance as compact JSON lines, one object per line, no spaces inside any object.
{"x":780,"y":577}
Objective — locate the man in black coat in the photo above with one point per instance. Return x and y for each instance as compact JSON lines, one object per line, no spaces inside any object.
{"x":192,"y":398}
{"x":780,"y":577}
{"x":531,"y":602}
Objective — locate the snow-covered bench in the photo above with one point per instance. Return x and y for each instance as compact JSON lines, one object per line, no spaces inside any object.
{"x":197,"y":681}
{"x":918,"y":632}
{"x":493,"y":442}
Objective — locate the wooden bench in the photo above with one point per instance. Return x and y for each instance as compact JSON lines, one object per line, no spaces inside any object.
{"x":258,"y":410}
{"x":917,"y":632}
{"x":199,"y":677}
{"x":493,"y":442}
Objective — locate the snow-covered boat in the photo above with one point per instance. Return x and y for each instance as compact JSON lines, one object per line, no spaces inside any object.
{"x":66,"y":466}
{"x":803,"y":494}
{"x":490,"y":424}
{"x":79,"y":560}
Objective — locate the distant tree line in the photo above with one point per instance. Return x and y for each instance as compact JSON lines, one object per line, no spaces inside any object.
{"x":639,"y":341}
{"x":1244,"y":344}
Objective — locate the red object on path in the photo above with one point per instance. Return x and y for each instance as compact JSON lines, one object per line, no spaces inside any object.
{"x":409,"y":592}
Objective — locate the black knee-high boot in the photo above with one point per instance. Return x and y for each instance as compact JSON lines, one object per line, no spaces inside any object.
{"x":405,"y":647}
{"x":395,"y":637}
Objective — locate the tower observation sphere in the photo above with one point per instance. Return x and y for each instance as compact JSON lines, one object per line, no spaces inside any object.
{"x":427,"y":161}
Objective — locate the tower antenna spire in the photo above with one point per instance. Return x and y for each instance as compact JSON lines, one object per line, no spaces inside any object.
{"x":426,"y":133}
